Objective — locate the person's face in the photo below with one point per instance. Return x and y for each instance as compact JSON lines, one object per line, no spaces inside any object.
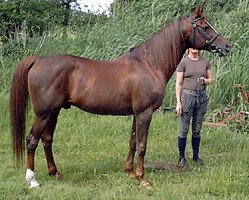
{"x":193,"y":51}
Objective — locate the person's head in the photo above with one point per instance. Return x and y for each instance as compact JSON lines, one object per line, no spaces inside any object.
{"x":193,"y":51}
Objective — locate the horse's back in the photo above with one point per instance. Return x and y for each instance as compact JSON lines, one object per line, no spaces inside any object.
{"x":59,"y":80}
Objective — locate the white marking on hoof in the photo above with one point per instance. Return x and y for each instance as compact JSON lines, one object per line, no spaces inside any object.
{"x":30,"y":178}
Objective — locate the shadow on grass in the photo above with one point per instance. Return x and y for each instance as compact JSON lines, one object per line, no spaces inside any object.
{"x":164,"y":166}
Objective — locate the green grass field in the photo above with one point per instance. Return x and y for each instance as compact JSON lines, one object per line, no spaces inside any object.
{"x":90,"y":151}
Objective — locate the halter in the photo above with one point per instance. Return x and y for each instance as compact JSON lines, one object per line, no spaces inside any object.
{"x":209,"y":41}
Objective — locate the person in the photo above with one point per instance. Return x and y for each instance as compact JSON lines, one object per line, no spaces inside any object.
{"x":192,"y":75}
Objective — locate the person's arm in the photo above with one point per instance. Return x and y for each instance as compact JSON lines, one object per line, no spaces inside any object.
{"x":179,"y":83}
{"x":209,"y":79}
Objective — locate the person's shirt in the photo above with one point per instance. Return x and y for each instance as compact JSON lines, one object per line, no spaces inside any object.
{"x":192,"y":70}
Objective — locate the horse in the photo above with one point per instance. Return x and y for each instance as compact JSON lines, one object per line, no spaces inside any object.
{"x":130,"y":84}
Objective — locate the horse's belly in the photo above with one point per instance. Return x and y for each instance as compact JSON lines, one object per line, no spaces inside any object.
{"x":108,"y":111}
{"x":106,"y":108}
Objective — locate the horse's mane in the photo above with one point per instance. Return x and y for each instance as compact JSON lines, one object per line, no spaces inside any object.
{"x":164,"y":49}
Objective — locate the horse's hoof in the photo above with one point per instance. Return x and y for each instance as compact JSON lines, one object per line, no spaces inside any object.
{"x":31,"y":180}
{"x":145,"y":184}
{"x":58,"y":176}
{"x":33,"y":184}
{"x":132,"y":175}
{"x":130,"y":172}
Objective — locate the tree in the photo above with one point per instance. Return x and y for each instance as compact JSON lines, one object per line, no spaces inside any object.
{"x":67,"y":10}
{"x":37,"y":16}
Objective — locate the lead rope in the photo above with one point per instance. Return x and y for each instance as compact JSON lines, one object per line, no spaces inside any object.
{"x":198,"y":93}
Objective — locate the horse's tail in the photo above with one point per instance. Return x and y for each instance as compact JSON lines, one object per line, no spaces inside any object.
{"x":18,"y":103}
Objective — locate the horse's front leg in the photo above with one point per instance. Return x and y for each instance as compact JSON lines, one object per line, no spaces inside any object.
{"x":132,"y":151}
{"x":47,"y":139}
{"x":142,"y":126}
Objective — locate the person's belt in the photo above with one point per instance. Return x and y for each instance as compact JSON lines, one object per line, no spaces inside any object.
{"x":193,"y":91}
{"x":197,"y":95}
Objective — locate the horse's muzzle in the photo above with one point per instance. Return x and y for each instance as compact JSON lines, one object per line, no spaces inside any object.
{"x":222,"y":51}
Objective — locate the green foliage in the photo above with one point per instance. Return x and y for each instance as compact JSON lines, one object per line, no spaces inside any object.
{"x":32,"y":16}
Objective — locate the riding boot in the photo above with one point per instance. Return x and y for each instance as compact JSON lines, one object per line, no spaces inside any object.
{"x":196,"y":147}
{"x":182,"y":147}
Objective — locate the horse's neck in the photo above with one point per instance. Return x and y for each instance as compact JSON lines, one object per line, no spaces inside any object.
{"x":164,"y":50}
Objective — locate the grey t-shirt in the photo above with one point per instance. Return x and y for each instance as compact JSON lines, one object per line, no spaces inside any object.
{"x":193,"y":69}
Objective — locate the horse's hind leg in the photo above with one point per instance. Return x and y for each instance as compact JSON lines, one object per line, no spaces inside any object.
{"x":36,"y":132}
{"x":131,"y":154}
{"x":47,"y":139}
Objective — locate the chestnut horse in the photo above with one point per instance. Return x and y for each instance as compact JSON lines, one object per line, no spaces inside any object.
{"x":131,"y":84}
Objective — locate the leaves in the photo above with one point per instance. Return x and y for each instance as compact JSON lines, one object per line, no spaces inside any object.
{"x":38,"y":15}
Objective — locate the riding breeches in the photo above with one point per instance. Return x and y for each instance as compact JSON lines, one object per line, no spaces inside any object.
{"x":194,"y":106}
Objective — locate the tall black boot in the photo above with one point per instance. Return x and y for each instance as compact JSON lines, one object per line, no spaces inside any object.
{"x":196,"y":147}
{"x":181,"y":147}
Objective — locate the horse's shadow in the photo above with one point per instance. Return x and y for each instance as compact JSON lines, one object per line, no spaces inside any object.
{"x":171,"y":167}
{"x":102,"y":168}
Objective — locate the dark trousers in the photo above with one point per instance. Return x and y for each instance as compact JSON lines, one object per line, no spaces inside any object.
{"x":193,"y":108}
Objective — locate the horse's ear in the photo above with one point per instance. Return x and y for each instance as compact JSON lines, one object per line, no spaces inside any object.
{"x":198,"y":11}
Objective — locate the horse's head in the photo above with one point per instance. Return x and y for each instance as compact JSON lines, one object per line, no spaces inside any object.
{"x":203,"y":36}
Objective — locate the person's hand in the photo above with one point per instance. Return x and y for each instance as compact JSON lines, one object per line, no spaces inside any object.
{"x":201,"y":80}
{"x":178,"y":108}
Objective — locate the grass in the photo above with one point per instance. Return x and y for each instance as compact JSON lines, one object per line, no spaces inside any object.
{"x":90,"y":151}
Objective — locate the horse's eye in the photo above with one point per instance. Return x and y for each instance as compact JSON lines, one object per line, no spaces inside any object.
{"x":206,"y":27}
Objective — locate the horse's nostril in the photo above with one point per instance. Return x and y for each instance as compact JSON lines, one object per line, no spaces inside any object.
{"x":228,"y":46}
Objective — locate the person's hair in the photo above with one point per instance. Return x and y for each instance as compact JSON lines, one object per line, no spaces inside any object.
{"x":187,"y":52}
